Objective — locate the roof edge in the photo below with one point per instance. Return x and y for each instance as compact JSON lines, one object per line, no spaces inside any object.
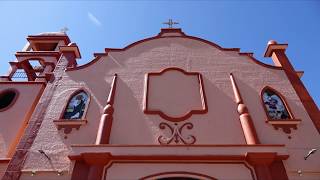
{"x":182,"y":35}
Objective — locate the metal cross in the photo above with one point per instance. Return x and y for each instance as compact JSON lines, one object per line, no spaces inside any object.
{"x":170,"y":23}
{"x":64,"y":30}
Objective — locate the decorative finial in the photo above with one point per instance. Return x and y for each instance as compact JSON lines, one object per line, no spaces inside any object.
{"x":170,"y":23}
{"x":64,"y":30}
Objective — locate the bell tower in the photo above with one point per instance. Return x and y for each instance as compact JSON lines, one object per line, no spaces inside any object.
{"x":37,"y":60}
{"x":29,"y":75}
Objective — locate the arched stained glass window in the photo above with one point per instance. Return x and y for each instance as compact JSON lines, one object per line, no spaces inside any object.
{"x":274,"y":105}
{"x":76,"y":106}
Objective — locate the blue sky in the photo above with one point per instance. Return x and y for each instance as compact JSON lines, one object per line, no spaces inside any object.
{"x":95,"y":25}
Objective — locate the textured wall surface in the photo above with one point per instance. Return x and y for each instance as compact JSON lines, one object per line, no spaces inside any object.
{"x":220,"y":125}
{"x":139,"y":170}
{"x":17,"y":115}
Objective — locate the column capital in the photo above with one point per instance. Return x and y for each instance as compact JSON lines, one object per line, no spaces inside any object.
{"x":99,"y":159}
{"x":72,"y":47}
{"x":260,"y":158}
{"x":272,"y":46}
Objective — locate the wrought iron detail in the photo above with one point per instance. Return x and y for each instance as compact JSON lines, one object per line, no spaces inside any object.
{"x":176,"y":134}
{"x":20,"y":75}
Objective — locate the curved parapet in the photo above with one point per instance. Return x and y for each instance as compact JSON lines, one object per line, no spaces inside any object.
{"x":173,"y":33}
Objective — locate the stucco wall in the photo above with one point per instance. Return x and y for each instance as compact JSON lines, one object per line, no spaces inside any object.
{"x":15,"y":118}
{"x":3,"y":167}
{"x":220,"y":125}
{"x":140,"y":170}
{"x":45,"y":176}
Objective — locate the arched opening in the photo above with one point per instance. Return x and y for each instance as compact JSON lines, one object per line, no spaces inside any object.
{"x":274,"y":105}
{"x":7,"y":99}
{"x":37,"y":66}
{"x":178,"y":175}
{"x":76,"y":106}
{"x":178,"y":178}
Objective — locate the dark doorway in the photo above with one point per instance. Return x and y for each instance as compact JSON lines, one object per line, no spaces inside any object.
{"x":177,"y":178}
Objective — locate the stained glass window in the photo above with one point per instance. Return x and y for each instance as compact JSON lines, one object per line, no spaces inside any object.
{"x":76,"y":106}
{"x":274,"y":105}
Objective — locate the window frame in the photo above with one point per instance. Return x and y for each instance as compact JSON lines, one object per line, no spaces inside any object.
{"x":69,"y":99}
{"x":69,"y":124}
{"x":284,"y":102}
{"x":285,"y":124}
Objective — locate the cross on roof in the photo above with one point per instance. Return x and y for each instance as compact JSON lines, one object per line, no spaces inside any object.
{"x":64,"y":30}
{"x":170,"y":23}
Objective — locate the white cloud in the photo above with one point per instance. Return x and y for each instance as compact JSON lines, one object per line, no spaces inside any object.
{"x":94,"y":19}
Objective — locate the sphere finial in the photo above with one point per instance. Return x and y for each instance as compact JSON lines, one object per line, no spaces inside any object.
{"x":272,"y":42}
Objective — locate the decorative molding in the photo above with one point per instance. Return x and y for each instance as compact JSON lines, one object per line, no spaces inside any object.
{"x":67,"y":125}
{"x":187,"y":115}
{"x":182,"y":35}
{"x":248,"y":128}
{"x":5,"y":160}
{"x":272,"y":47}
{"x":176,"y":134}
{"x":188,"y":154}
{"x":38,"y":54}
{"x":285,"y":124}
{"x":71,"y":48}
{"x":259,"y":161}
{"x":104,"y":130}
{"x":56,"y":38}
{"x":178,"y":145}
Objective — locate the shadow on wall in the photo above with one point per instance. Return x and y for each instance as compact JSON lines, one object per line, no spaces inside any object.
{"x":221,"y":120}
{"x":305,"y":130}
{"x":130,"y":125}
{"x":252,"y":99}
{"x":158,"y":46}
{"x":86,"y":133}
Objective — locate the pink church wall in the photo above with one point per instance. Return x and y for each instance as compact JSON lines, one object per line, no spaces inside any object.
{"x":3,"y":166}
{"x":179,"y":93}
{"x":45,"y":176}
{"x":15,"y":118}
{"x":144,"y":128}
{"x":220,"y":125}
{"x":301,"y":140}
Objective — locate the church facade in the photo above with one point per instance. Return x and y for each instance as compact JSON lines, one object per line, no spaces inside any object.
{"x":169,"y":107}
